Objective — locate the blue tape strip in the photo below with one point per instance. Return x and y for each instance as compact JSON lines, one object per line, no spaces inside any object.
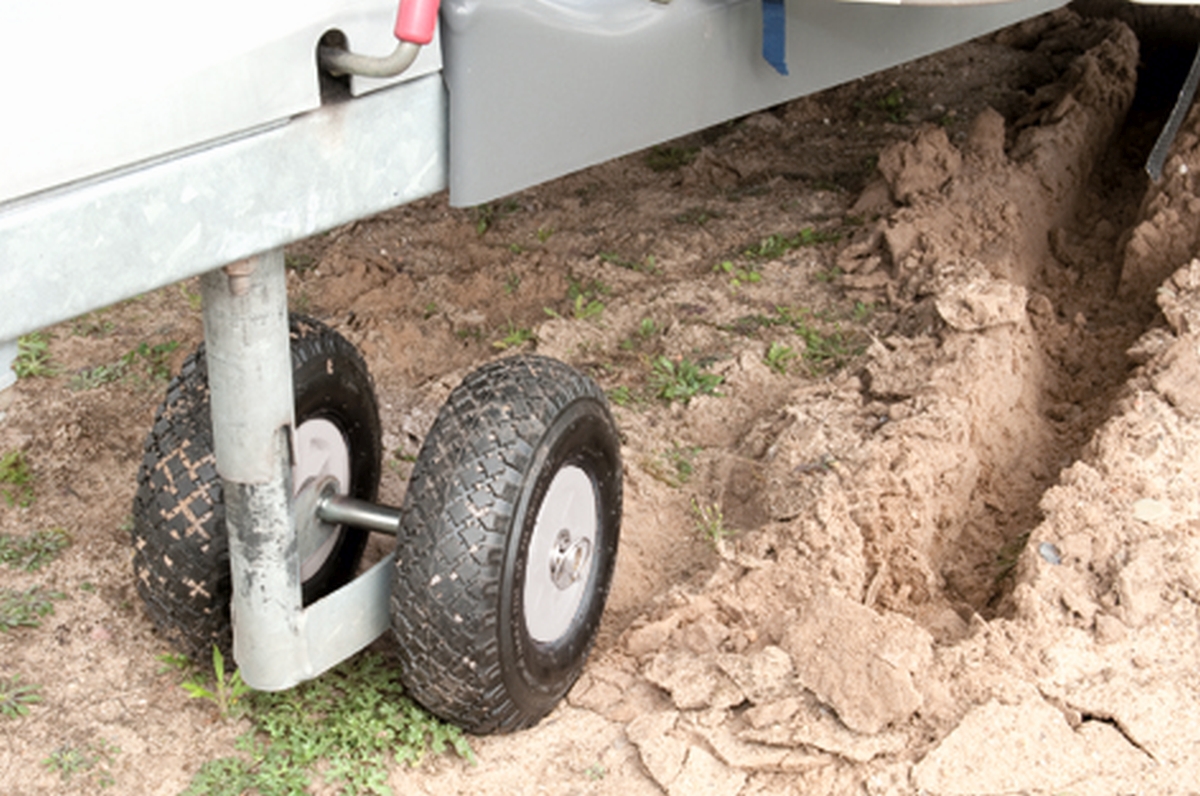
{"x":775,"y":35}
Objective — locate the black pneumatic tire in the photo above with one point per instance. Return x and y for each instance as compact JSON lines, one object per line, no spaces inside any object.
{"x":181,"y":555}
{"x":475,"y":551}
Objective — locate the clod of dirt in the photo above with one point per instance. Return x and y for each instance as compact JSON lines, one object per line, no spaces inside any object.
{"x":922,"y":165}
{"x":860,"y":663}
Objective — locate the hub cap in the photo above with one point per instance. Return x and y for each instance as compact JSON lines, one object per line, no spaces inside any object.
{"x":560,"y":555}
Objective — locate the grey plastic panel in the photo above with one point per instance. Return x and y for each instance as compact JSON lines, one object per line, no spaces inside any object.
{"x":539,"y":88}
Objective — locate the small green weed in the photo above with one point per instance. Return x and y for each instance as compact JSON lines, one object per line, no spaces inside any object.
{"x":828,"y":275}
{"x":511,"y":284}
{"x":174,"y":662}
{"x":710,"y":522}
{"x":646,"y":331}
{"x":226,"y":693}
{"x":341,"y":728}
{"x":92,"y":326}
{"x":300,"y":263}
{"x":544,"y":234}
{"x":586,"y":303}
{"x":195,"y":298}
{"x":470,"y":334}
{"x":16,"y":478}
{"x":774,"y":246}
{"x":621,"y":395}
{"x":33,"y":356}
{"x":16,"y":698}
{"x":697,"y":216}
{"x":647,"y":265}
{"x":674,"y":466}
{"x":487,"y":215}
{"x":585,"y":309}
{"x":429,"y":310}
{"x":595,"y":772}
{"x":862,"y":312}
{"x":25,"y":608}
{"x":514,"y":337}
{"x":145,"y":362}
{"x":682,"y":381}
{"x":1008,"y":556}
{"x":91,"y":759}
{"x":35,"y":551}
{"x":894,"y":104}
{"x":738,"y":274}
{"x":778,"y":357}
{"x":670,"y":158}
{"x":824,"y":348}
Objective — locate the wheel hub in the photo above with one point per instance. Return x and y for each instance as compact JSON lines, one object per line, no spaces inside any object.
{"x":559,"y":558}
{"x":570,"y":559}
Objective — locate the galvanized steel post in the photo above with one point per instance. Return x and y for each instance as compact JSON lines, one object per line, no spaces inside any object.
{"x":250,"y":378}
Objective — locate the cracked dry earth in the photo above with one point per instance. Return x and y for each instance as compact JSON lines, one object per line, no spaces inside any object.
{"x":967,"y":548}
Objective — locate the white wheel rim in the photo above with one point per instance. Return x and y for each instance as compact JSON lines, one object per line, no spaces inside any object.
{"x":321,"y":451}
{"x":559,"y":563}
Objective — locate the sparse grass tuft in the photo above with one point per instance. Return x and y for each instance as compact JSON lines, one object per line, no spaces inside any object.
{"x":674,"y":466}
{"x":35,"y":551}
{"x":514,"y":337}
{"x":226,"y":692}
{"x":775,"y":246}
{"x":710,"y":522}
{"x":682,"y":381}
{"x":340,"y":729}
{"x":16,"y":698}
{"x":697,"y":216}
{"x":33,"y":356}
{"x":621,"y":395}
{"x":144,"y":364}
{"x":738,"y":274}
{"x":487,"y":215}
{"x":779,"y":356}
{"x":25,"y":608}
{"x":670,"y":158}
{"x":16,"y":478}
{"x":92,"y":760}
{"x":894,"y":104}
{"x":647,"y":265}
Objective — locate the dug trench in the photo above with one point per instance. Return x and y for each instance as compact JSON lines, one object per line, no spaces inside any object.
{"x":937,"y":529}
{"x":896,"y":506}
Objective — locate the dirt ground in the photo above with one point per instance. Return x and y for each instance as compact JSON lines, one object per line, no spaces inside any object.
{"x":967,"y":513}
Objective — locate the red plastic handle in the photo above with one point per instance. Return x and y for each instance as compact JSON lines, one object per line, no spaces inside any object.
{"x":417,"y":20}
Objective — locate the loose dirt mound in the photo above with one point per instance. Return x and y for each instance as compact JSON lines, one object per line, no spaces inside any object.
{"x":967,"y":548}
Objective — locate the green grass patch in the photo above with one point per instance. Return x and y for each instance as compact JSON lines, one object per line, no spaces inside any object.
{"x":682,"y":381}
{"x":514,"y":337}
{"x":670,"y":158}
{"x":775,"y":246}
{"x":25,"y":608}
{"x":16,"y":479}
{"x":779,"y":356}
{"x":488,"y":215}
{"x":894,"y":104}
{"x":33,"y":356}
{"x":144,"y":364}
{"x":674,"y":466}
{"x":738,"y":274}
{"x":339,"y":730}
{"x":31,"y":553}
{"x":647,"y":265}
{"x":710,"y":522}
{"x":697,"y":216}
{"x":15,"y":697}
{"x":90,"y":761}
